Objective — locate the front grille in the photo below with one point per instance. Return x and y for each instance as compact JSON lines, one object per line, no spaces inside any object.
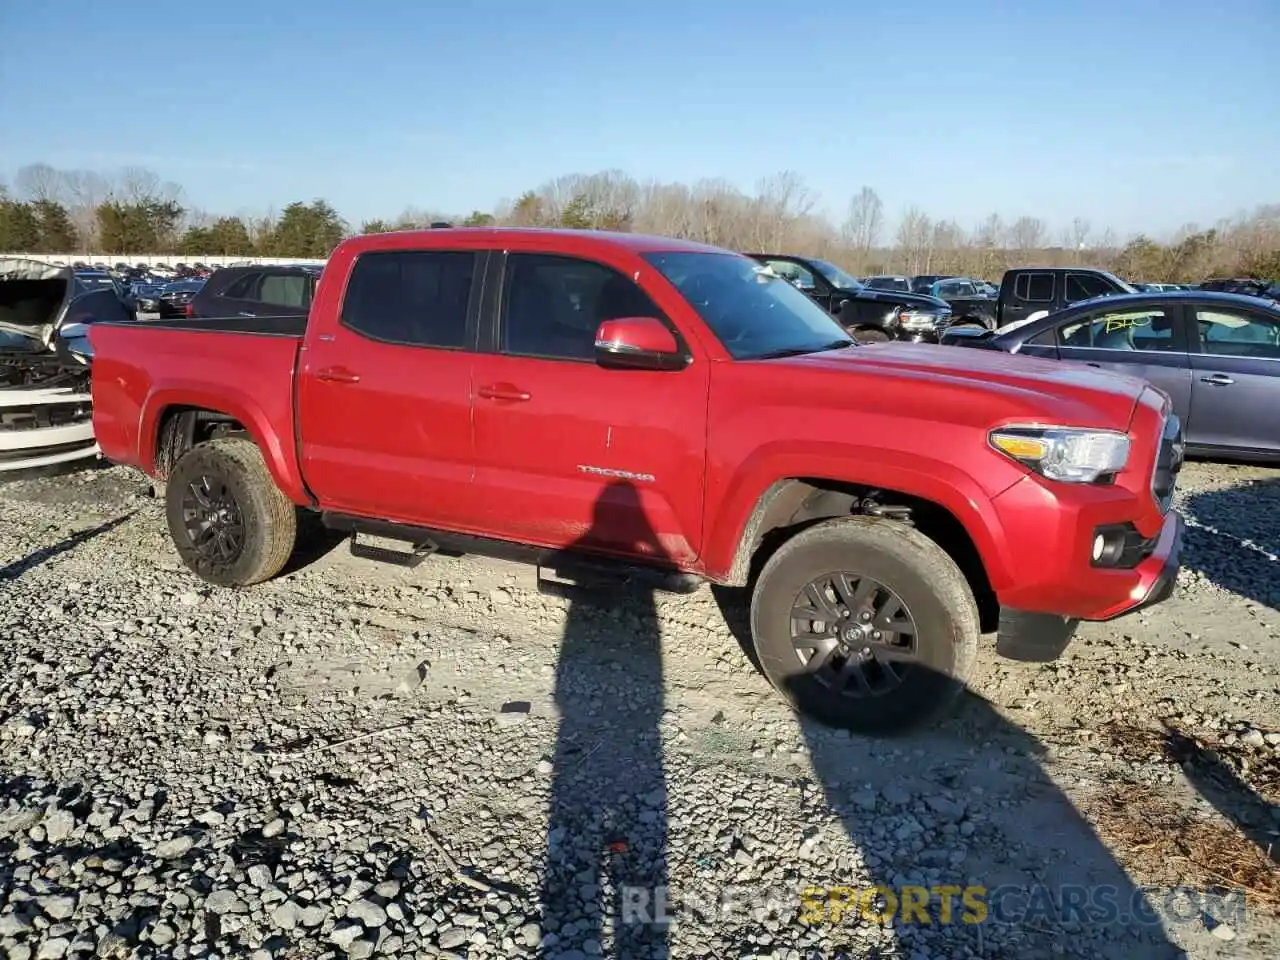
{"x":1168,"y":463}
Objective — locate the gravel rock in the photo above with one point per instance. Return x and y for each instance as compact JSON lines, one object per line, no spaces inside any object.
{"x":192,"y":772}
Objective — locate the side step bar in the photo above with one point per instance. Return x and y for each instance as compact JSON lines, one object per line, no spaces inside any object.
{"x":410,"y":558}
{"x":559,"y":571}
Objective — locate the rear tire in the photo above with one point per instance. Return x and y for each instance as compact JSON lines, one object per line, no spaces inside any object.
{"x":229,"y":521}
{"x":935,"y":621}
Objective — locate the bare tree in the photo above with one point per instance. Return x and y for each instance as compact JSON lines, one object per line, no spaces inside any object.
{"x":862,"y":225}
{"x":41,"y":183}
{"x":915,"y":236}
{"x":1027,"y":235}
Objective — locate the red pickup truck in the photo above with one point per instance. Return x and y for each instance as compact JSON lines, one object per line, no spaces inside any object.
{"x":612,"y":402}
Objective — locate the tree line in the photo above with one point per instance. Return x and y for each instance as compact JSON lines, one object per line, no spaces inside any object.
{"x":59,"y":211}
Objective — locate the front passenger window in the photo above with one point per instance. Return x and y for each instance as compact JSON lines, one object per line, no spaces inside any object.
{"x":552,"y":305}
{"x":1147,"y":329}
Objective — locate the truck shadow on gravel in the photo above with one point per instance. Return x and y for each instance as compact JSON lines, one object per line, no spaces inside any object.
{"x":1230,"y":543}
{"x":607,"y":830}
{"x":964,"y":808}
{"x":34,"y":559}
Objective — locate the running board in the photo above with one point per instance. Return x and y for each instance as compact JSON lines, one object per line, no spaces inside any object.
{"x":379,"y":553}
{"x":558,"y":570}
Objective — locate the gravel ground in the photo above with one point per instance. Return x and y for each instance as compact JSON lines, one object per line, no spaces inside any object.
{"x":355,"y":760}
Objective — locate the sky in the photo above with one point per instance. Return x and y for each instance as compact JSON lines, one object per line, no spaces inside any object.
{"x":1141,"y":115}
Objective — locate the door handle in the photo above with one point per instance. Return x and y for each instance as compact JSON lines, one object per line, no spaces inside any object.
{"x":1218,"y":380}
{"x":337,"y":375}
{"x":502,"y":391}
{"x":243,"y":314}
{"x":1092,"y":364}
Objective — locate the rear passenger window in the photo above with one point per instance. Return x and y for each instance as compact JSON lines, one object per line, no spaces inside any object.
{"x":417,"y":297}
{"x":246,"y":288}
{"x":1034,"y":287}
{"x":284,"y":290}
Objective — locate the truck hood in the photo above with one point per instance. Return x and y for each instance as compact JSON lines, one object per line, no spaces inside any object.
{"x":33,"y":298}
{"x":922,"y":301}
{"x":1101,"y":396}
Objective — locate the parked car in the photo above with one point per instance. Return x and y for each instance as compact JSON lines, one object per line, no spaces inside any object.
{"x":1247,"y":286}
{"x":870,"y":315}
{"x":1214,"y":354}
{"x":897,"y":284}
{"x":1029,"y":293}
{"x":174,"y":299}
{"x":45,"y":404}
{"x":256,"y":291}
{"x":616,"y":403}
{"x":969,"y":301}
{"x":923,"y":282}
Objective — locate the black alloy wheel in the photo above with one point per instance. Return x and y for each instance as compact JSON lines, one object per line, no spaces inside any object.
{"x":853,"y":634}
{"x":213,"y":520}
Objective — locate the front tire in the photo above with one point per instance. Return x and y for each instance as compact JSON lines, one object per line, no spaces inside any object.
{"x":864,"y":623}
{"x":229,"y":521}
{"x":871,"y":335}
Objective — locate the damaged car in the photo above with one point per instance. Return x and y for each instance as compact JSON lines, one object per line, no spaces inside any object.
{"x":45,"y":407}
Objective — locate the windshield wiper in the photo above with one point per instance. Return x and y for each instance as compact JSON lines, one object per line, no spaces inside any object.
{"x":801,"y":351}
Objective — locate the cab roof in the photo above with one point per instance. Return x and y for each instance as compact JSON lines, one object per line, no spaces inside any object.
{"x":470,"y":237}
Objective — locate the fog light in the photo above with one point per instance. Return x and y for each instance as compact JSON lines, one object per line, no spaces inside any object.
{"x":1099,"y":545}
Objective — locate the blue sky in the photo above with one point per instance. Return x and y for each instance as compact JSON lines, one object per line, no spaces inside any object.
{"x":1140,"y":114}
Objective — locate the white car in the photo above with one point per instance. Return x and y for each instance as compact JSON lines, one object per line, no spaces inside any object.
{"x":46,"y":413}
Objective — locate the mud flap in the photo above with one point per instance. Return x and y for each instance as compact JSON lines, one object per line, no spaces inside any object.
{"x":1033,"y":637}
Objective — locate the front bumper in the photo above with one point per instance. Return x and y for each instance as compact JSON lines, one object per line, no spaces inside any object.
{"x":1158,"y":574}
{"x":25,"y":443}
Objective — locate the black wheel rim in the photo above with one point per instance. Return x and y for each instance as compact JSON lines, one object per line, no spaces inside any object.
{"x":212,"y":519}
{"x":853,"y":635}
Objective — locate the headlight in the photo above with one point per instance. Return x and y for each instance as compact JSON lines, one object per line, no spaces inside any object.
{"x":917,"y":319}
{"x":1064,"y":453}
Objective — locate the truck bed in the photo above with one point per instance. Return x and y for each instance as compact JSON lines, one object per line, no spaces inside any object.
{"x":280,"y":326}
{"x":240,"y":367}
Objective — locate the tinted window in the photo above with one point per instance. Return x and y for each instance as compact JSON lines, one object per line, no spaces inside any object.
{"x":552,"y":306}
{"x":900,"y":284}
{"x":1082,"y":286}
{"x":788,"y":270}
{"x":1045,"y":338}
{"x":751,"y":311}
{"x":1034,"y":287}
{"x":1146,"y":329}
{"x":284,"y":290}
{"x":416,"y":297}
{"x":246,"y":288}
{"x":1236,"y":333}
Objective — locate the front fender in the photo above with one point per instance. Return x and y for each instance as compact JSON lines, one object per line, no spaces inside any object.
{"x":278,"y":452}
{"x":914,"y":474}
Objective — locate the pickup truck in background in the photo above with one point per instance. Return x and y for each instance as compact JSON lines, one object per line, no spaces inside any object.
{"x":613,"y":404}
{"x":1029,"y":293}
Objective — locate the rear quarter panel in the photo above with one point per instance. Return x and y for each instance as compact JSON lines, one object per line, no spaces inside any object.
{"x":140,"y":372}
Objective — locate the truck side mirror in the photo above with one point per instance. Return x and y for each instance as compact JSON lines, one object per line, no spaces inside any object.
{"x":638,"y":343}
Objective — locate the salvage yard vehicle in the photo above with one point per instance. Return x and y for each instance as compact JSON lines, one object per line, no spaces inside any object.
{"x":602,"y":404}
{"x":45,"y":414}
{"x":1029,"y":293}
{"x":872,"y":316}
{"x":1214,"y":354}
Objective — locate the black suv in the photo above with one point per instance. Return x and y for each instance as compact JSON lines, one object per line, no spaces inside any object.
{"x":261,"y":290}
{"x":870,"y":315}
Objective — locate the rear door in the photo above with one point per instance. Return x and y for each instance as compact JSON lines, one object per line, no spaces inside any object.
{"x":384,"y":400}
{"x":1030,"y":295}
{"x":1236,"y":386}
{"x":1144,"y":341}
{"x":569,"y":453}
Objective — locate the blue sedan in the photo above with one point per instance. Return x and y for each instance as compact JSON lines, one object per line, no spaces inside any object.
{"x":1217,"y":356}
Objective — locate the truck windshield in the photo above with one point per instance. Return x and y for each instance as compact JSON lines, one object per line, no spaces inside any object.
{"x":754,"y":312}
{"x":835,"y":276}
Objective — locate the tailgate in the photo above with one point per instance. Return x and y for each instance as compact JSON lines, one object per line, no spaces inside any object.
{"x":143,"y":370}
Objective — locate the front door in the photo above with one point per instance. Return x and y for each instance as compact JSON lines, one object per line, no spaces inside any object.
{"x":1236,"y":385}
{"x":571,"y":454}
{"x":384,"y":401}
{"x":1147,"y":342}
